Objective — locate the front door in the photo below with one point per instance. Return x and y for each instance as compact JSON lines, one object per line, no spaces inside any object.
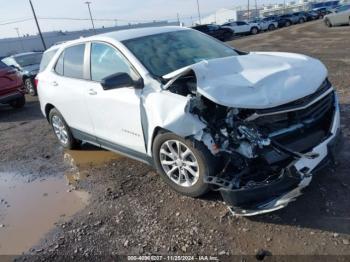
{"x":115,"y":113}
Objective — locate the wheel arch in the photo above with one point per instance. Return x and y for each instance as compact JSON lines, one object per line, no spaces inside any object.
{"x":48,"y":108}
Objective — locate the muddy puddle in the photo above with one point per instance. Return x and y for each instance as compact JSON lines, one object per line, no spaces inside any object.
{"x":29,"y":210}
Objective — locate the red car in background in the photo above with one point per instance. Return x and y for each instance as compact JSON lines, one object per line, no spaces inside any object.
{"x":11,"y":87}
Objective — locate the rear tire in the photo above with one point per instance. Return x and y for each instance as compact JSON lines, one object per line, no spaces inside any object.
{"x":174,"y":156}
{"x":301,"y":20}
{"x":18,"y":103}
{"x":288,"y":23}
{"x":62,"y":130}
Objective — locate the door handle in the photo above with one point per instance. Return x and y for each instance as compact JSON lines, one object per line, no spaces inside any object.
{"x":54,"y":83}
{"x":92,"y":92}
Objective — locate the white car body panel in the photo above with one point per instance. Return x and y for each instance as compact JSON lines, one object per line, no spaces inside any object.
{"x":111,"y":122}
{"x":262,"y":79}
{"x":340,"y":18}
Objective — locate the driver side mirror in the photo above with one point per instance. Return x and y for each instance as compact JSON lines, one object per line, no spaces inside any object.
{"x":120,"y":80}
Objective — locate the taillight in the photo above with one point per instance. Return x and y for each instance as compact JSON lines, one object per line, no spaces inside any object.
{"x":36,"y":82}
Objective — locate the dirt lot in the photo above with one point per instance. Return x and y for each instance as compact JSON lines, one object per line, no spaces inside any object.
{"x":123,"y":207}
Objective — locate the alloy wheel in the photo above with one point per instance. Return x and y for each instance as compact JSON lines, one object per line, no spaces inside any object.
{"x":60,"y":129}
{"x":179,"y":163}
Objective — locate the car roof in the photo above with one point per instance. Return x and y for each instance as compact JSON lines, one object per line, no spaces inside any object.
{"x":121,"y":35}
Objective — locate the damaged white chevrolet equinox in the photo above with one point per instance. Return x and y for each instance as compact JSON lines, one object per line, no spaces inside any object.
{"x":254,"y":126}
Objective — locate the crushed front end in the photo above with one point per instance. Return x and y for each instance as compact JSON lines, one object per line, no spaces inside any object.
{"x":267,"y":156}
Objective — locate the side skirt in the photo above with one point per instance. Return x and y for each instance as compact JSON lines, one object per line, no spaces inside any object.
{"x":112,"y":147}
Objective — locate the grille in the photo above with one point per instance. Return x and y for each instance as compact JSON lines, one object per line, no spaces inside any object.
{"x":318,"y":113}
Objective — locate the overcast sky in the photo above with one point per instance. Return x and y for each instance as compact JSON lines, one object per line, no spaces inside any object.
{"x":123,"y":10}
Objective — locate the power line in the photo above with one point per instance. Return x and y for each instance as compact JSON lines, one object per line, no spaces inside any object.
{"x":16,"y":21}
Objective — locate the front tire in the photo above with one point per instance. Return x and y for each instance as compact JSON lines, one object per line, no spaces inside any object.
{"x":62,"y":130}
{"x":183,"y":163}
{"x":288,"y":23}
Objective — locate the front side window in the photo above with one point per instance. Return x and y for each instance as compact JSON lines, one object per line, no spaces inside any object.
{"x":106,"y":61}
{"x":166,"y":52}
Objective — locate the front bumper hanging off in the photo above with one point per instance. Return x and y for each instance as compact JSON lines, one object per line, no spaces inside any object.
{"x":295,"y":177}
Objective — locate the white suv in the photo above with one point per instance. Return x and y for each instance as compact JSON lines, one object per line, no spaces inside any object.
{"x":242,"y":27}
{"x":254,"y":126}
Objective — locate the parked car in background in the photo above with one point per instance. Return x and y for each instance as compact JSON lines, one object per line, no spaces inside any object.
{"x":322,"y":11}
{"x":314,"y":15}
{"x":281,"y":22}
{"x":290,"y":19}
{"x":254,"y":126}
{"x":243,"y":28}
{"x":215,"y":31}
{"x":266,"y":24}
{"x":11,"y":87}
{"x":28,"y":65}
{"x":340,"y":16}
{"x":302,"y":17}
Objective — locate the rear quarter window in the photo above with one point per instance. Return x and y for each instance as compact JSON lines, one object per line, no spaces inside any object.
{"x":47,"y":56}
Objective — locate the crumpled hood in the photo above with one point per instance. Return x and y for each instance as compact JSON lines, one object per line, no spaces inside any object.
{"x":256,"y":80}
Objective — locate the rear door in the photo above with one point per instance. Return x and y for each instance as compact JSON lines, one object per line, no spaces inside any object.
{"x":9,"y":79}
{"x":70,"y":85}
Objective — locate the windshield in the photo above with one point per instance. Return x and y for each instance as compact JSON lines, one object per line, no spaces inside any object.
{"x":164,"y":53}
{"x":27,"y":60}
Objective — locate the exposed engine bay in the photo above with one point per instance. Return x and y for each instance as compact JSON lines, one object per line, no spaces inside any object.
{"x":256,"y":148}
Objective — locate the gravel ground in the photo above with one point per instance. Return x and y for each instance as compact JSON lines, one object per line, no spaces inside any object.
{"x":132,"y":212}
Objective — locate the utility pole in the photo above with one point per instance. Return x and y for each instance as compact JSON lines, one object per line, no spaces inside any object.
{"x":92,"y":21}
{"x":37,"y":24}
{"x":199,"y":13}
{"x":19,"y":37}
{"x":248,"y":10}
{"x":256,"y":10}
{"x":284,"y":6}
{"x":178,"y":18}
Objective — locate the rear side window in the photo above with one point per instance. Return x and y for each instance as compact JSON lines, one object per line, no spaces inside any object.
{"x":59,"y":65}
{"x":74,"y":61}
{"x":71,"y":62}
{"x":47,"y":56}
